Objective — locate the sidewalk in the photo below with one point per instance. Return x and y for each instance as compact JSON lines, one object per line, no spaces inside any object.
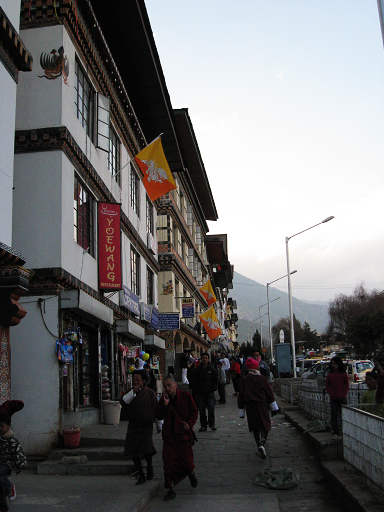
{"x":226,"y":466}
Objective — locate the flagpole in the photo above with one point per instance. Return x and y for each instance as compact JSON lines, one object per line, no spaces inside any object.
{"x":158,"y":137}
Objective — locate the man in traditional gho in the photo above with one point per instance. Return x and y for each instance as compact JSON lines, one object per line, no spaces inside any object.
{"x":140,"y":405}
{"x":256,"y":397}
{"x":179,"y":412}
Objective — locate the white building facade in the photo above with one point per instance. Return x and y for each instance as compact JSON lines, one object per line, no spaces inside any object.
{"x":76,"y":136}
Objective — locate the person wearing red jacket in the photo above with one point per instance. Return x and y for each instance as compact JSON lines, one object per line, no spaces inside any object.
{"x":337,"y":386}
{"x":235,"y":375}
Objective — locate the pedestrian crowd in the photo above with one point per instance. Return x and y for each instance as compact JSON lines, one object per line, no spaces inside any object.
{"x":176,"y":412}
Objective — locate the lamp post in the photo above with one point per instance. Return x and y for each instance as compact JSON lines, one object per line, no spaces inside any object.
{"x":290,"y":292}
{"x":269,"y":313}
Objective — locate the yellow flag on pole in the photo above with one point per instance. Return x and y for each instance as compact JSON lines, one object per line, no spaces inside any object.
{"x":158,"y":179}
{"x":211,"y":324}
{"x":207,"y":292}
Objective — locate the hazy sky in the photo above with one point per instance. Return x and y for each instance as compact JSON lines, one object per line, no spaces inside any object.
{"x":287,"y":102}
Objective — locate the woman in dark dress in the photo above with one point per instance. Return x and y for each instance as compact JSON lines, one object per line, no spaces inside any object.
{"x":256,"y":397}
{"x":140,"y":404}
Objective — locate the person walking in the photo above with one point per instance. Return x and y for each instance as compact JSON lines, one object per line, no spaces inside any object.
{"x":184,"y":363}
{"x":226,"y":365}
{"x":140,"y":405}
{"x":235,"y":375}
{"x":205,"y":384}
{"x":337,"y":386}
{"x":256,"y":397}
{"x":179,"y":412}
{"x":378,"y":361}
{"x":222,"y":382}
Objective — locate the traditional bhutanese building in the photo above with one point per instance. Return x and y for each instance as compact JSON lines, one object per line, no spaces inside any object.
{"x":14,"y":59}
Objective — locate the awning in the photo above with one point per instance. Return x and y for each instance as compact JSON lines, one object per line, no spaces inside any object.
{"x":151,"y":340}
{"x":85,"y":305}
{"x":130,"y":329}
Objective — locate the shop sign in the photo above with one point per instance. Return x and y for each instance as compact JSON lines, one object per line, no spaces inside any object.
{"x":188,"y":308}
{"x":169,"y":321}
{"x":131,"y":301}
{"x":145,"y":312}
{"x":154,"y":324}
{"x":109,"y":246}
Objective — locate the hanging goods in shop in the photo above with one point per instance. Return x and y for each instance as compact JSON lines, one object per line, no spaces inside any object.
{"x":65,"y":345}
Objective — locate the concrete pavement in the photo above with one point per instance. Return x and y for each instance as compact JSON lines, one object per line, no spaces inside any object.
{"x":226,"y":466}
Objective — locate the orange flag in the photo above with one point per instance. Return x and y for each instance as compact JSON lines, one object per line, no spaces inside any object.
{"x":158,"y":179}
{"x":212,"y":326}
{"x":207,"y":292}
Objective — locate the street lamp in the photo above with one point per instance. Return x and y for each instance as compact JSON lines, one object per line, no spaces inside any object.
{"x":290,"y":292}
{"x":269,"y":314}
{"x":269,"y":319}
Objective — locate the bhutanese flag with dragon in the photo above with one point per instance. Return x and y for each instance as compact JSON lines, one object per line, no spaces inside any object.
{"x":207,"y":292}
{"x":158,"y":179}
{"x":211,"y":324}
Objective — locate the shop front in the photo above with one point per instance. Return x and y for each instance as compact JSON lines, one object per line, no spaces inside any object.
{"x":85,"y":353}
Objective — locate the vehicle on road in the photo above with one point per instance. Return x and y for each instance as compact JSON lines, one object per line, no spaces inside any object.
{"x":303,"y":365}
{"x":356,"y":370}
{"x":316,"y":370}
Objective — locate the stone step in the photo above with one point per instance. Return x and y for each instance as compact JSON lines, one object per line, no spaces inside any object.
{"x":93,"y":453}
{"x":89,"y":441}
{"x":107,"y":467}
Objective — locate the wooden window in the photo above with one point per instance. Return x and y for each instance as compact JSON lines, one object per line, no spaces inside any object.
{"x":84,"y":100}
{"x":114,"y":155}
{"x":150,"y":217}
{"x":150,"y":288}
{"x":135,"y":272}
{"x":83,"y":210}
{"x":135,"y":190}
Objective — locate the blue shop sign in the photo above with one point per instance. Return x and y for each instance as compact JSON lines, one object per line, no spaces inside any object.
{"x":188,"y":308}
{"x":154,"y":319}
{"x":145,"y":312}
{"x":169,"y":321}
{"x":131,"y":301}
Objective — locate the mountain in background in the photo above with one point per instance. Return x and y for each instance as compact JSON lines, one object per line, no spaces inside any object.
{"x":250,"y":295}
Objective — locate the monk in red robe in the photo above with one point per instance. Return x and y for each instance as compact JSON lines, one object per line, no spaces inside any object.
{"x":179,"y":412}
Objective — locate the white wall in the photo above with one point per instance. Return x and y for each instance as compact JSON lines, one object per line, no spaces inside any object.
{"x":39,"y":99}
{"x":12,"y":10}
{"x":7,"y":137}
{"x":35,"y":376}
{"x":37,"y":207}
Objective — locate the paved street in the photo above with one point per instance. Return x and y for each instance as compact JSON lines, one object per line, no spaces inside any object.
{"x":227,"y":464}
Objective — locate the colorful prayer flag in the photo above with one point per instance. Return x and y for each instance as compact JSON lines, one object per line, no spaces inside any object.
{"x":207,"y":292}
{"x":211,"y":324}
{"x":158,"y":179}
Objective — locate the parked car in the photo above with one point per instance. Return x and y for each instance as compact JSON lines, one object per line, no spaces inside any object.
{"x":316,"y":370}
{"x":356,"y":370}
{"x":302,"y":365}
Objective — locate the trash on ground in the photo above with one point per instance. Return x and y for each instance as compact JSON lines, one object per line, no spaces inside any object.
{"x":285,"y":478}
